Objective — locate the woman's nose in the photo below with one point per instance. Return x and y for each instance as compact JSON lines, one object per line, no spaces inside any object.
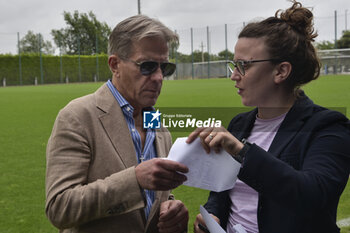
{"x":235,"y":76}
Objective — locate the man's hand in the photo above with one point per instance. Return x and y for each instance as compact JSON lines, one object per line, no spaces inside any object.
{"x":160,"y":174}
{"x":173,"y":217}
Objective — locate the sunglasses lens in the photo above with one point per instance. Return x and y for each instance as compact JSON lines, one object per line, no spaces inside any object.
{"x":148,"y":67}
{"x":168,"y":68}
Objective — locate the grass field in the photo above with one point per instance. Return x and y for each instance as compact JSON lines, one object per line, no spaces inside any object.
{"x":28,"y":113}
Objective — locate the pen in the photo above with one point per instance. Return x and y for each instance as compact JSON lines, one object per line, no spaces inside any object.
{"x":203,"y":228}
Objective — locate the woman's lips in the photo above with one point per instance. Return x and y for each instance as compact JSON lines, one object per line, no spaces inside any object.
{"x":240,"y":90}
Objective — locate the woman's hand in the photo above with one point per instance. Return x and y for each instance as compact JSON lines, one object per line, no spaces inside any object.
{"x":216,"y":138}
{"x":200,"y":220}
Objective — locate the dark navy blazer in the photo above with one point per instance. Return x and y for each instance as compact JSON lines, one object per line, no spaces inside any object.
{"x":301,"y":177}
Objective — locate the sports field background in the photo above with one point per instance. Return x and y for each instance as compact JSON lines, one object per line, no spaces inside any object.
{"x":26,"y":119}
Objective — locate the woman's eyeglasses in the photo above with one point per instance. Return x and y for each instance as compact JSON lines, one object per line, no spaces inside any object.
{"x":149,"y":67}
{"x":240,"y":64}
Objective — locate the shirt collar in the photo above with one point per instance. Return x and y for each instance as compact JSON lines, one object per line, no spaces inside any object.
{"x":123,"y":103}
{"x":121,"y":100}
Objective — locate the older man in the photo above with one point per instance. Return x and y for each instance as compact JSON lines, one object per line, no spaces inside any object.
{"x":104,"y":170}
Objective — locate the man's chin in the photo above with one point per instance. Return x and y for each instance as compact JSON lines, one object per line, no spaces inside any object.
{"x":149,"y":102}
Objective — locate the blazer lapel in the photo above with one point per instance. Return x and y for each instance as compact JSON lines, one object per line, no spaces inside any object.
{"x":292,"y":124}
{"x":159,"y":142}
{"x":241,"y":131}
{"x":115,"y":126}
{"x":284,"y":135}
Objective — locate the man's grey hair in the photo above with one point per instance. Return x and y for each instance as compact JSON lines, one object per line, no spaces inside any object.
{"x":134,"y":29}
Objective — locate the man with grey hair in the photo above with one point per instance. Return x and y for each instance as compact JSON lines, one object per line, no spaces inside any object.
{"x":105,"y":172}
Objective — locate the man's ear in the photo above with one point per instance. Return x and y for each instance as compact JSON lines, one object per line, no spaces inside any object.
{"x":283,"y":71}
{"x":113,"y":63}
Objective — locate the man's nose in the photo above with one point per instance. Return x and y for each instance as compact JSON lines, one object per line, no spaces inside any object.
{"x":157,"y":75}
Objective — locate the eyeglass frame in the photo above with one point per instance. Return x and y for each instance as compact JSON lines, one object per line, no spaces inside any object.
{"x":159,"y":66}
{"x":244,"y":63}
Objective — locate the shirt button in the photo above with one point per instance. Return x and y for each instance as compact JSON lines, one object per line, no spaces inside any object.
{"x":133,"y":130}
{"x":128,"y":109}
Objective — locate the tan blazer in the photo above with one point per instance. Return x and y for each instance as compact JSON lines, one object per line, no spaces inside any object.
{"x":91,"y":184}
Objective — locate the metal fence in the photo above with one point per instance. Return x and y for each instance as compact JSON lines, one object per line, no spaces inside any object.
{"x":213,"y":39}
{"x":335,"y":61}
{"x":201,"y":70}
{"x":210,"y":40}
{"x":22,"y":70}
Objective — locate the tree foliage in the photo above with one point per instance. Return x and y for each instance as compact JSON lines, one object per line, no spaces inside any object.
{"x":344,"y":41}
{"x":323,"y":45}
{"x":224,"y":53}
{"x":32,"y":43}
{"x":199,"y":56}
{"x":84,"y":34}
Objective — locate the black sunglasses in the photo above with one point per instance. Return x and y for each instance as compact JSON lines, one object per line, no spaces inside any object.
{"x":240,"y":64}
{"x":149,"y":67}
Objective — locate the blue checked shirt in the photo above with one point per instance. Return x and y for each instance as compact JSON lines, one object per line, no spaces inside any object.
{"x":149,"y":150}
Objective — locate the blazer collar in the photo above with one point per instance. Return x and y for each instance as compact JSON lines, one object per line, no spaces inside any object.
{"x":113,"y":122}
{"x":292,"y":124}
{"x":244,"y":130}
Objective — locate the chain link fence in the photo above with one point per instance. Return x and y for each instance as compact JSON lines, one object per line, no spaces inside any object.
{"x":335,"y":61}
{"x":23,"y":69}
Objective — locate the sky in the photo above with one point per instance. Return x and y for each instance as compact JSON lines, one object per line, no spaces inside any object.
{"x":41,"y":16}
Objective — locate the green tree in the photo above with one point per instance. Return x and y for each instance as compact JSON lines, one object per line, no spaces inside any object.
{"x":222,"y":55}
{"x":173,"y":49}
{"x":198,"y":56}
{"x":84,"y":34}
{"x":31,"y":43}
{"x":324,"y":45}
{"x":344,"y":41}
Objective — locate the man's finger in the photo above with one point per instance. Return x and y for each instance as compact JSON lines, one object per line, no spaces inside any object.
{"x":173,"y":166}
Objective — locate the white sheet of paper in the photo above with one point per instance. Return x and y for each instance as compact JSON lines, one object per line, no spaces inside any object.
{"x":214,"y":171}
{"x":212,"y":225}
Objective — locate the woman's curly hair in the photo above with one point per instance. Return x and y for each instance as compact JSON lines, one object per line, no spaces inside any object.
{"x":288,"y":37}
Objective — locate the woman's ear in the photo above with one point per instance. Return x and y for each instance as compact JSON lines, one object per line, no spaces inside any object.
{"x":283,"y":71}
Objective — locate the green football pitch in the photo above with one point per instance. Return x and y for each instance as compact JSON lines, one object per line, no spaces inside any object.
{"x":28,"y":113}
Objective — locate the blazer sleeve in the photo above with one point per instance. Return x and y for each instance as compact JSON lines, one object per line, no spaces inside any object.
{"x":323,"y":173}
{"x":70,"y":199}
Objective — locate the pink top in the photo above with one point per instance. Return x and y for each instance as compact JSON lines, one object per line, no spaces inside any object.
{"x":245,"y":199}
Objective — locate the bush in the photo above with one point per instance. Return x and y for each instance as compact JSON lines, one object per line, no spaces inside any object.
{"x":55,"y":69}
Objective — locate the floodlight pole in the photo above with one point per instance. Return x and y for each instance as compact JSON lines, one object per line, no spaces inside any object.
{"x":335,"y":30}
{"x":19,"y":61}
{"x":41,"y":59}
{"x":192,"y":53}
{"x":208,"y":45}
{"x":346,"y":19}
{"x":335,"y":40}
{"x":139,"y":7}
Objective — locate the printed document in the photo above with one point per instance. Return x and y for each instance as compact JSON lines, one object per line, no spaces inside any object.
{"x":214,"y":171}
